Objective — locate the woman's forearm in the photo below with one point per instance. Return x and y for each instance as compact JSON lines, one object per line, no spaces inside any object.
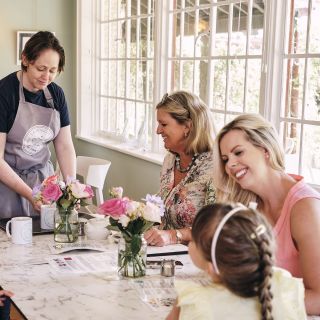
{"x":13,"y":181}
{"x":312,"y":302}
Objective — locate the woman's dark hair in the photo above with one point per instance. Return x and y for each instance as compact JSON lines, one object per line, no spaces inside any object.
{"x":40,"y":41}
{"x":244,"y":254}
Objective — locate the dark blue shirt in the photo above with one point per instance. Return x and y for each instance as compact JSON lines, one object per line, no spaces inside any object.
{"x":9,"y":101}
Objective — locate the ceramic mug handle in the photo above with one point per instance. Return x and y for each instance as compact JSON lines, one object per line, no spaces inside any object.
{"x":7,"y":228}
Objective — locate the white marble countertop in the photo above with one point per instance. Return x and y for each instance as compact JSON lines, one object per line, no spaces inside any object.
{"x":41,"y":293}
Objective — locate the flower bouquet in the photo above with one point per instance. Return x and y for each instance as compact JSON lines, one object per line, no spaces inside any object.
{"x":66,"y":196}
{"x":132,"y":219}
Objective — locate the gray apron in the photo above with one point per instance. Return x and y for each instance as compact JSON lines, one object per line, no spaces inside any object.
{"x":27,"y":151}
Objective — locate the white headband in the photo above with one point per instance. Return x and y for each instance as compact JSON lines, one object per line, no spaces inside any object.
{"x":217,"y":233}
{"x":240,"y":206}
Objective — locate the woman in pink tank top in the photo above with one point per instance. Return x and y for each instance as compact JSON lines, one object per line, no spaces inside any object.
{"x":250,"y":167}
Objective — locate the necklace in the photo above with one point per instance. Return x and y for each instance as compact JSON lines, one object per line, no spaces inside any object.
{"x":184,"y":170}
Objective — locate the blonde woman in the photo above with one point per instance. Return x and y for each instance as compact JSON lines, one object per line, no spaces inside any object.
{"x":184,"y":122}
{"x":249,"y":166}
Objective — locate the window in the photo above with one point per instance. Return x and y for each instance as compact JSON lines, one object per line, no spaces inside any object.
{"x":239,"y":56}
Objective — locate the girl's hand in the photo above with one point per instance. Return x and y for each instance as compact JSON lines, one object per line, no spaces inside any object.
{"x":4,"y":293}
{"x":174,"y":313}
{"x":159,"y":238}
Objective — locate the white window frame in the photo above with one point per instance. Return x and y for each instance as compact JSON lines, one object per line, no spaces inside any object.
{"x":271,"y":94}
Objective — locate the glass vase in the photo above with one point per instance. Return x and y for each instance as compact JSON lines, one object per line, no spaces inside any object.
{"x":66,"y":225}
{"x":132,"y":256}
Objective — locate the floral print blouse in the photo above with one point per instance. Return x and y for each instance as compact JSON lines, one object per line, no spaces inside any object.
{"x":195,"y":190}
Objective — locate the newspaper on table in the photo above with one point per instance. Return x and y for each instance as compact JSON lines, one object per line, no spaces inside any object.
{"x":87,"y":263}
{"x":66,"y":247}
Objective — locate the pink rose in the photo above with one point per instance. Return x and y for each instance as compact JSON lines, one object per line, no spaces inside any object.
{"x":50,"y":180}
{"x":113,"y":207}
{"x":51,"y":192}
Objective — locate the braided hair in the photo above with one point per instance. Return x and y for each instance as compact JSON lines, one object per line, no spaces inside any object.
{"x":244,"y":251}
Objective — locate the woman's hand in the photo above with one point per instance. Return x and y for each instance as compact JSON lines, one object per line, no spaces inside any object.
{"x":4,"y":293}
{"x":37,"y":205}
{"x":159,"y":238}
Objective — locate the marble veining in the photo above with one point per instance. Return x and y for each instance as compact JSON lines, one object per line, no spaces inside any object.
{"x":41,"y":293}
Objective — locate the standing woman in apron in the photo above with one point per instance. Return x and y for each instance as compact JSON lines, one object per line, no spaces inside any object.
{"x":33,"y":112}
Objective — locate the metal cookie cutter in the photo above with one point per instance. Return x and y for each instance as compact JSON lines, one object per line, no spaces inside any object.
{"x":168,"y":268}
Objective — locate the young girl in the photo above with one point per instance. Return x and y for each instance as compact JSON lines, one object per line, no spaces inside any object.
{"x":234,"y":246}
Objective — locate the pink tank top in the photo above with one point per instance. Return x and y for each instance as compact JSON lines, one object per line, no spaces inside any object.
{"x":287,"y":256}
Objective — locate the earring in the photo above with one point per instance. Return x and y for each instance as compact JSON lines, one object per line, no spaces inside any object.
{"x":186,"y":134}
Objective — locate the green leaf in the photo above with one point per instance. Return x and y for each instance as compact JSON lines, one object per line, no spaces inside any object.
{"x":136,"y":243}
{"x":65,"y":203}
{"x":113,"y":228}
{"x":137,"y":226}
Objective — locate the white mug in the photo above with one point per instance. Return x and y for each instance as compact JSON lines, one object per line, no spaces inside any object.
{"x":21,"y":230}
{"x":47,"y":216}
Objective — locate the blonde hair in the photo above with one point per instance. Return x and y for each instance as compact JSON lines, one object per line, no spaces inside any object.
{"x":244,"y":251}
{"x":260,"y":133}
{"x":184,"y":106}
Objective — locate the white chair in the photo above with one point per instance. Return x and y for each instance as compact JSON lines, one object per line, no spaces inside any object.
{"x":94,"y":172}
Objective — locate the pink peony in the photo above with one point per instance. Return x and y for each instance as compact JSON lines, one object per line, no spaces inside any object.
{"x":113,"y":207}
{"x":51,"y":192}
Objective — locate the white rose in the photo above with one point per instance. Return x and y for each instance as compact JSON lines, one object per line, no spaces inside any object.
{"x":152,"y":213}
{"x":124,"y":220}
{"x":132,"y":207}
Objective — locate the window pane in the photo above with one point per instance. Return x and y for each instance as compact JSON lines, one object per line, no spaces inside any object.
{"x":236,"y":85}
{"x":174,"y":45}
{"x":312,"y":111}
{"x":202,"y":34}
{"x":294,"y":88}
{"x":290,"y":136}
{"x":239,"y":31}
{"x":253,"y":85}
{"x":104,"y":78}
{"x":298,"y":23}
{"x":315,"y":27}
{"x":112,"y":68}
{"x":218,"y":120}
{"x":121,"y":78}
{"x":311,"y":154}
{"x":221,"y":37}
{"x":256,"y":36}
{"x":187,"y":75}
{"x":188,"y":34}
{"x":201,"y":78}
{"x":219,"y":84}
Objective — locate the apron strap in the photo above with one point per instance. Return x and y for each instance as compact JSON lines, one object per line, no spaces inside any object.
{"x":49,"y":98}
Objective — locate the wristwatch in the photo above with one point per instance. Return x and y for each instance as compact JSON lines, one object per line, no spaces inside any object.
{"x":178,"y":236}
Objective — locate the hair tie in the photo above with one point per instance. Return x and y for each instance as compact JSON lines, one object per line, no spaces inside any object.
{"x":223,"y":221}
{"x":260,"y":229}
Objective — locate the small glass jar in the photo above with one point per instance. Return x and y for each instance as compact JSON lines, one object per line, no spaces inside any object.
{"x":132,"y":256}
{"x":66,"y":225}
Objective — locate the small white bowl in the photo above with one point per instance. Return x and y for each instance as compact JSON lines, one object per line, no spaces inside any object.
{"x":96,"y":229}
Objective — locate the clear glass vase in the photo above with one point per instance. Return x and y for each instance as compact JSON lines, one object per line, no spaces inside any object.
{"x":66,"y":225}
{"x":132,"y":256}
